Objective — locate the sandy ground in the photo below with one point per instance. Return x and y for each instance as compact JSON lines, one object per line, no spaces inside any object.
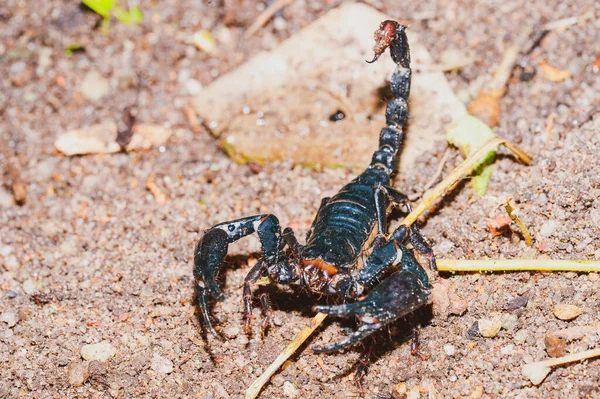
{"x":92,"y":256}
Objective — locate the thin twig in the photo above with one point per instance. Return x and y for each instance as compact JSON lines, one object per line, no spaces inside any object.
{"x":537,"y":371}
{"x":13,"y":172}
{"x":540,"y":265}
{"x":254,"y":389}
{"x":265,"y":16}
{"x":513,"y":215}
{"x":457,"y":174}
{"x":439,"y":170}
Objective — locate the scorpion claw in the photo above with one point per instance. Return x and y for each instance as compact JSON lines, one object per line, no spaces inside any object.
{"x":203,"y":301}
{"x":363,"y":331}
{"x":208,"y":258}
{"x":398,"y":295}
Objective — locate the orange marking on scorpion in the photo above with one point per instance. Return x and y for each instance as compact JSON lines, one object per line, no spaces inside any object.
{"x":320,"y":264}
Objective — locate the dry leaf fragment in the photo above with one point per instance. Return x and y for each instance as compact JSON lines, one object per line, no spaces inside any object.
{"x":487,"y":106}
{"x":552,"y":73}
{"x":95,"y":139}
{"x":204,"y":40}
{"x":192,"y":119}
{"x":102,"y":139}
{"x":156,"y":191}
{"x":498,"y":225}
{"x":148,"y":135}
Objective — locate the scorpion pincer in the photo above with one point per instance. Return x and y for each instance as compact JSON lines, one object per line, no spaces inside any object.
{"x":389,"y":284}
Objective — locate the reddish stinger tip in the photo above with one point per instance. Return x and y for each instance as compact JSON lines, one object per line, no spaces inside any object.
{"x":384,"y":35}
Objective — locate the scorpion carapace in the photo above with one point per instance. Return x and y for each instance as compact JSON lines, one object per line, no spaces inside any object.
{"x":389,"y":284}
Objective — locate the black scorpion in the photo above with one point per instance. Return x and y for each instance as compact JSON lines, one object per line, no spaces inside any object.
{"x":389,"y":284}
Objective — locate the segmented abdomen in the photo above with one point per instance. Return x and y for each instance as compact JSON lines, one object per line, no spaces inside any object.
{"x":345,"y":222}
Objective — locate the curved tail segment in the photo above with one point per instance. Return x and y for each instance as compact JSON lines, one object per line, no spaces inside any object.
{"x":393,"y":35}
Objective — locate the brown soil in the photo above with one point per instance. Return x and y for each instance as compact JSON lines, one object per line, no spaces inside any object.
{"x":92,"y":256}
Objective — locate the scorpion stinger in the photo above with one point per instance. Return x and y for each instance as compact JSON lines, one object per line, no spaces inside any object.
{"x":390,"y":284}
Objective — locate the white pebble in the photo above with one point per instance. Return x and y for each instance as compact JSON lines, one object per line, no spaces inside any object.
{"x":507,"y":349}
{"x":289,"y":390}
{"x":449,"y":349}
{"x":102,"y":351}
{"x":9,"y":318}
{"x":161,"y":364}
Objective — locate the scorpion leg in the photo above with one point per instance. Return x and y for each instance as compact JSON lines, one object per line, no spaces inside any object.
{"x":418,"y":241}
{"x":292,"y":242}
{"x":415,"y":345}
{"x":211,"y":250}
{"x":254,"y":274}
{"x":383,"y":195}
{"x":266,"y":309}
{"x":397,"y":295}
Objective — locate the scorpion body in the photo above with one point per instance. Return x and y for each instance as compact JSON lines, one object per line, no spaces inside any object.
{"x":386,"y":284}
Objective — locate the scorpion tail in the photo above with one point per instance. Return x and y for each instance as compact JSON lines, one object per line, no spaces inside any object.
{"x":393,"y":35}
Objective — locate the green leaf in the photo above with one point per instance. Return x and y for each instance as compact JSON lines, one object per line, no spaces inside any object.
{"x":100,"y":7}
{"x":468,"y":135}
{"x":131,"y":16}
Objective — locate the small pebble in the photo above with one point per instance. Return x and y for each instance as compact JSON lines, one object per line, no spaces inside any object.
{"x":6,"y":198}
{"x":193,"y":87}
{"x":565,"y":311}
{"x":548,"y":228}
{"x":449,"y":349}
{"x":161,"y":364}
{"x":593,"y":277}
{"x":516,"y":303}
{"x":477,"y":392}
{"x":473,"y":331}
{"x":555,"y":347}
{"x":509,"y":321}
{"x":413,"y":393}
{"x":30,"y":286}
{"x":521,"y":336}
{"x":101,"y":351}
{"x":231,"y":332}
{"x":489,"y":328}
{"x":78,"y":373}
{"x":536,"y":372}
{"x":85,"y":284}
{"x":5,"y":250}
{"x":400,"y":389}
{"x":9,"y":318}
{"x":94,"y":86}
{"x":289,"y":390}
{"x":507,"y":349}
